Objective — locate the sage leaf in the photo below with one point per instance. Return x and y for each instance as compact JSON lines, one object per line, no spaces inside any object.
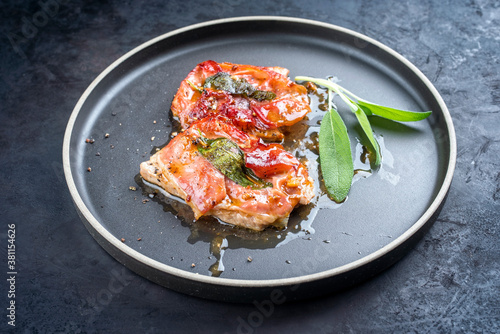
{"x":392,"y":113}
{"x":367,"y":129}
{"x":335,"y":156}
{"x":229,"y":159}
{"x":224,"y":81}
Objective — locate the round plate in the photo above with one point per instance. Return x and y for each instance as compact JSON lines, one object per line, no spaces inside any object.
{"x":125,"y":113}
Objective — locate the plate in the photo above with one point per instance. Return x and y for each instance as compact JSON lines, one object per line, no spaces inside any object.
{"x":124,"y":117}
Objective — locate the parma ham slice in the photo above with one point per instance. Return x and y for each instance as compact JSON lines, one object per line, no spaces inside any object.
{"x":197,"y":166}
{"x":258,"y":100}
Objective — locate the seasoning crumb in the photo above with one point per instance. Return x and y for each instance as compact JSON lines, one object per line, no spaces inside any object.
{"x":288,"y":261}
{"x":89,"y":169}
{"x":249,"y":259}
{"x":151,"y":195}
{"x":122,"y":239}
{"x":193,"y":265}
{"x":98,"y":154}
{"x":234,"y":269}
{"x":106,"y":135}
{"x":154,"y":122}
{"x":113,"y":113}
{"x":139,"y":239}
{"x":326,"y":241}
{"x":153,"y":138}
{"x":132,"y":188}
{"x":173,"y":134}
{"x":89,"y":141}
{"x":112,"y":146}
{"x":144,"y":201}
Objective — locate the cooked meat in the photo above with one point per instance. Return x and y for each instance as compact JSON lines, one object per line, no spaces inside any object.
{"x":274,"y":181}
{"x":258,"y":100}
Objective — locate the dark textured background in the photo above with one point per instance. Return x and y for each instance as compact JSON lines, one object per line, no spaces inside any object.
{"x":67,"y":283}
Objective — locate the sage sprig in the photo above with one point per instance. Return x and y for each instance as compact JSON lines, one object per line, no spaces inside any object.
{"x":335,"y":155}
{"x":369,"y":108}
{"x":335,"y":148}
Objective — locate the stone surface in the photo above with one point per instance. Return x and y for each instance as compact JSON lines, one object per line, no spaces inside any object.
{"x":51,"y":51}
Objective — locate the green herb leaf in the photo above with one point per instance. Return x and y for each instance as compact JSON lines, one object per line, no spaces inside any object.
{"x":227,"y":157}
{"x":335,"y":156}
{"x":262,"y":95}
{"x":391,"y":113}
{"x":223,"y":81}
{"x":365,"y":125}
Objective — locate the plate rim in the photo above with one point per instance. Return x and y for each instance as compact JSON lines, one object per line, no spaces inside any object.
{"x":256,"y":283}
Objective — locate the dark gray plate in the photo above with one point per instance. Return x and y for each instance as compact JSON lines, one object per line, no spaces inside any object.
{"x":327,"y":246}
